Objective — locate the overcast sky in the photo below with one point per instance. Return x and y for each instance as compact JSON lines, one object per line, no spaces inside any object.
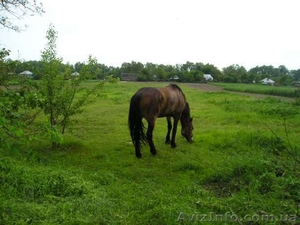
{"x":245,"y":32}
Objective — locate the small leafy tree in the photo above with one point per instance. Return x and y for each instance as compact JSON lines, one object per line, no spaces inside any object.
{"x":18,"y":104}
{"x":4,"y":68}
{"x":10,"y":125}
{"x":61,"y":100}
{"x":91,"y":69}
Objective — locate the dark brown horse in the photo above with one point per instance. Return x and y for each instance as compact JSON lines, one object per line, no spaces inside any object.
{"x":151,"y":103}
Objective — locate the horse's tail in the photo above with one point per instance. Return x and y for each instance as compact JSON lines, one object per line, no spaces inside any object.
{"x":136,"y":126}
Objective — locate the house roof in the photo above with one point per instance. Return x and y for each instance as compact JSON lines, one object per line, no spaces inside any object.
{"x":267,"y":80}
{"x":208,"y":77}
{"x":26,"y":73}
{"x":75,"y":74}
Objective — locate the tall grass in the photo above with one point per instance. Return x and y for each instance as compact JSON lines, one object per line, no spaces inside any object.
{"x":236,"y":171}
{"x":284,"y":91}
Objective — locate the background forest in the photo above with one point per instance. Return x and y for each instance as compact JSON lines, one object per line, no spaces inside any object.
{"x":188,"y":72}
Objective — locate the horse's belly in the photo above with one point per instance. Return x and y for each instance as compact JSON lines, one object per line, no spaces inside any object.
{"x":170,"y":113}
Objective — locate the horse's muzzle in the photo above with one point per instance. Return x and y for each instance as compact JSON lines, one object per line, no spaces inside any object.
{"x":190,"y":140}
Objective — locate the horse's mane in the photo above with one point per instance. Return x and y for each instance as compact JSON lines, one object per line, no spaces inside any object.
{"x":186,"y":111}
{"x":175,"y":86}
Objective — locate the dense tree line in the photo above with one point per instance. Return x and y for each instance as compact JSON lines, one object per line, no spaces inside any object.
{"x":188,"y":72}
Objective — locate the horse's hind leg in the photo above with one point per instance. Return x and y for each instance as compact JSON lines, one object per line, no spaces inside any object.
{"x":150,"y":136}
{"x":169,"y":130}
{"x":138,"y":151}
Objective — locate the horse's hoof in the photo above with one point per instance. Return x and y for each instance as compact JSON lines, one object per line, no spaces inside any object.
{"x":138,"y":155}
{"x":153,"y":152}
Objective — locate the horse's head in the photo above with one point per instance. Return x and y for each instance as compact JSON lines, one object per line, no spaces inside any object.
{"x":187,"y":123}
{"x":187,"y":129}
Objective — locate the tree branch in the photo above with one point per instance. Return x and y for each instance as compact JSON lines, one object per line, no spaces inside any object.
{"x":18,"y":9}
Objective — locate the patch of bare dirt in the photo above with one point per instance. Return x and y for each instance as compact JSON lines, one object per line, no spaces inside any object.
{"x":206,"y":87}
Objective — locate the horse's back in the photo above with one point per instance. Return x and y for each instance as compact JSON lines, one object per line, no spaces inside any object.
{"x":160,"y":102}
{"x":150,"y":101}
{"x":175,"y":99}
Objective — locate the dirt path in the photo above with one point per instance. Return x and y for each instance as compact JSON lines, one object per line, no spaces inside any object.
{"x":215,"y":88}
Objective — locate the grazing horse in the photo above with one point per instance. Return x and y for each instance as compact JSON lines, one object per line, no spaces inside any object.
{"x":151,"y":103}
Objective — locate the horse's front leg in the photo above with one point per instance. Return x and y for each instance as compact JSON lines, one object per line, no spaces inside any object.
{"x":169,"y":130}
{"x":173,"y":144}
{"x":151,"y":124}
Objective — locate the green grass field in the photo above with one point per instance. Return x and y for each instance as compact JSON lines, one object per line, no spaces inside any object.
{"x":243,"y":167}
{"x":284,"y":91}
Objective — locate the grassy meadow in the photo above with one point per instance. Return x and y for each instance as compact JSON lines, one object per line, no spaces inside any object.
{"x":284,"y":91}
{"x":243,"y":167}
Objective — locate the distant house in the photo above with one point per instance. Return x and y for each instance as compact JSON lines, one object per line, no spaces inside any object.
{"x":75,"y":74}
{"x":27,"y":74}
{"x":129,"y":77}
{"x":208,"y":77}
{"x":174,"y":78}
{"x":267,"y":81}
